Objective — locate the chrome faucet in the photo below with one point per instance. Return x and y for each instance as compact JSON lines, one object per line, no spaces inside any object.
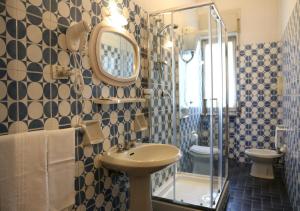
{"x":120,"y":148}
{"x":126,"y":146}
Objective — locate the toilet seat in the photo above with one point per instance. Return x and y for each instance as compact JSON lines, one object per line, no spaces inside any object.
{"x":200,"y":157}
{"x":202,"y":150}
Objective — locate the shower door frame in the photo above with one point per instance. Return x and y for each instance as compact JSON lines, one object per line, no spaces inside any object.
{"x":210,"y":6}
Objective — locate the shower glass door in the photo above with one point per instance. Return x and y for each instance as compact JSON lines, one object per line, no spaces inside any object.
{"x":218,"y":105}
{"x":225,"y":121}
{"x":214,"y":82}
{"x":187,"y":109}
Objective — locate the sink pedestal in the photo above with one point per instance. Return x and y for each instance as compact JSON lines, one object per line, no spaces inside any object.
{"x":140,"y":193}
{"x":139,"y":163}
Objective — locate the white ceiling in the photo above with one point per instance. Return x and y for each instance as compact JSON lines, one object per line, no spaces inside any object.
{"x":259,"y":20}
{"x":156,"y":5}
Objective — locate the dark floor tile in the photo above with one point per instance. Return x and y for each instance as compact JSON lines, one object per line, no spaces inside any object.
{"x":276,"y":200}
{"x":256,"y":204}
{"x":247,"y":194}
{"x":266,"y":204}
{"x":278,"y":209}
{"x":255,"y":194}
{"x":287,"y":208}
{"x":233,"y":206}
{"x":246,"y":207}
{"x":237,"y":194}
{"x":268,"y":209}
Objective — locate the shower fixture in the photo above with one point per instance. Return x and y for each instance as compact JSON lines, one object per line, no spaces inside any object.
{"x":181,"y":81}
{"x":161,"y":63}
{"x":161,"y":31}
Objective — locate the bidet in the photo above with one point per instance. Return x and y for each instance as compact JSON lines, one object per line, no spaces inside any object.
{"x":262,"y":162}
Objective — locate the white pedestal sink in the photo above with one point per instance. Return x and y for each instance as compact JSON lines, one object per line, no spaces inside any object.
{"x":139,"y":162}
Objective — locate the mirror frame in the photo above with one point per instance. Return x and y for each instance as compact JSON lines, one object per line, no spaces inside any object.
{"x":97,"y":68}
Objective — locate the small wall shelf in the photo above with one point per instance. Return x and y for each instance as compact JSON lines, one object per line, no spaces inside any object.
{"x":92,"y":132}
{"x":108,"y":101}
{"x":140,"y":123}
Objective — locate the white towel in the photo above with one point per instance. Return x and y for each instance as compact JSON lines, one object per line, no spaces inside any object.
{"x":23,"y":172}
{"x":61,"y":168}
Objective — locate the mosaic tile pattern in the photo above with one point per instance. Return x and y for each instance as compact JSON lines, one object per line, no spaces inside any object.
{"x":32,"y":38}
{"x":260,"y":107}
{"x":291,"y":104}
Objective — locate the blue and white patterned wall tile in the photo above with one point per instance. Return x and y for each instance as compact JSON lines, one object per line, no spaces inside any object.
{"x":32,"y":38}
{"x":160,"y":106}
{"x":291,"y":104}
{"x":260,"y":106}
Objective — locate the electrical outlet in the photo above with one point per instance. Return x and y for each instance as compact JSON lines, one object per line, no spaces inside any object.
{"x":60,"y":72}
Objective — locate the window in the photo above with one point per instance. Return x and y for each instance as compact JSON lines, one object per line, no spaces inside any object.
{"x":191,"y":89}
{"x":216,"y":75}
{"x":232,"y":72}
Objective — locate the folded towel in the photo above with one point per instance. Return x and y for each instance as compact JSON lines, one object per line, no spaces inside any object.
{"x":23,"y":172}
{"x":61,"y":168}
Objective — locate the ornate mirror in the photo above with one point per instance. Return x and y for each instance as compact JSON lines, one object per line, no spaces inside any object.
{"x":114,"y":55}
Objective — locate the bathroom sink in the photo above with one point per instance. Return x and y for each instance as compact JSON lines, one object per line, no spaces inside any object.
{"x":141,"y":160}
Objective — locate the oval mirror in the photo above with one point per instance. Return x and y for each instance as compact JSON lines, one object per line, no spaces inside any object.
{"x":114,"y":55}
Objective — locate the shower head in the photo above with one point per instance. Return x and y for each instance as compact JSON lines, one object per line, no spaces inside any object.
{"x":161,"y":31}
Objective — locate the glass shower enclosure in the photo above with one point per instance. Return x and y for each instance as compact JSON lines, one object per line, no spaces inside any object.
{"x":187,"y":63}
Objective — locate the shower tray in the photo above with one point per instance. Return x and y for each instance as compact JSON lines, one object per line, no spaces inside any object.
{"x":192,"y":193}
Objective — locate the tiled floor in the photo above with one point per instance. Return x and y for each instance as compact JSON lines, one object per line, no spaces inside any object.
{"x":254,"y":194}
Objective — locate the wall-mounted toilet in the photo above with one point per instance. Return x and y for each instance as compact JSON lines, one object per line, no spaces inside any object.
{"x":200,"y":156}
{"x":262,"y":162}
